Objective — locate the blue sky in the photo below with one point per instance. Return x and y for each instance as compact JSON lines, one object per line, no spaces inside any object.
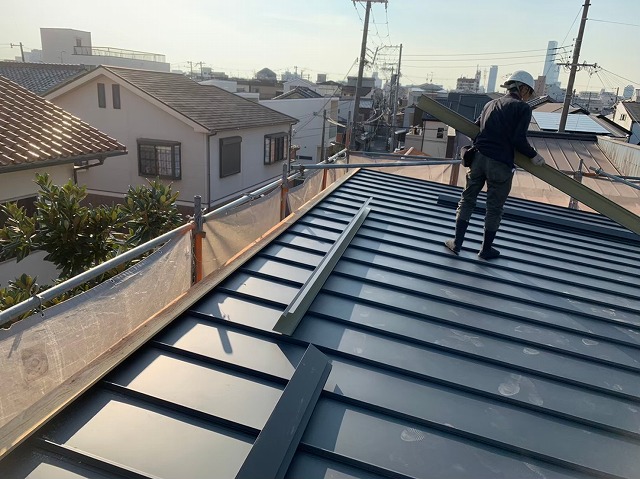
{"x":441,"y":40}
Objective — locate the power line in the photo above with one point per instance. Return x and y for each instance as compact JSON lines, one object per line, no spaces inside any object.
{"x":484,"y":53}
{"x":617,"y":23}
{"x":626,"y":79}
{"x":476,"y":59}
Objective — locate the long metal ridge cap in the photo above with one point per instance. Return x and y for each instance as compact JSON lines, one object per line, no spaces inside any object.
{"x":550,"y":175}
{"x":292,"y":315}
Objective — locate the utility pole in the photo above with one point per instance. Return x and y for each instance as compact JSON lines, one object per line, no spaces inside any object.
{"x":363,"y":52}
{"x":574,"y":68}
{"x":21,"y":49}
{"x":324,"y":122}
{"x":395,"y":103}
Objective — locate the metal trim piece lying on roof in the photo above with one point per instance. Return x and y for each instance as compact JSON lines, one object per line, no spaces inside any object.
{"x":292,"y":316}
{"x":276,"y":444}
{"x":554,"y":177}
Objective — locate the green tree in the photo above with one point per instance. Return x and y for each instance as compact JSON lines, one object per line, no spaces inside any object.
{"x":77,"y":237}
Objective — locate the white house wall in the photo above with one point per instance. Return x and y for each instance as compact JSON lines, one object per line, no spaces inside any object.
{"x":137,"y":118}
{"x":17,"y":185}
{"x":253,"y":172}
{"x":307,"y":133}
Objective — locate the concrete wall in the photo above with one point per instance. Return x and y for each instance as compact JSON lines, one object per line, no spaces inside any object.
{"x":58,"y":47}
{"x":308,"y":131}
{"x":58,"y":43}
{"x":136,"y":119}
{"x":17,"y":185}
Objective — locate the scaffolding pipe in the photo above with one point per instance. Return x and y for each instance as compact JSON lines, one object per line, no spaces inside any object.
{"x":37,"y":300}
{"x":271,"y":186}
{"x":438,"y":161}
{"x":619,"y":179}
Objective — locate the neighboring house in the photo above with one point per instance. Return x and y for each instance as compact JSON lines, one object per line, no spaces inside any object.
{"x":307,"y":133}
{"x":298,"y":93}
{"x":406,"y":362}
{"x":329,"y":88}
{"x":39,"y":78}
{"x":627,"y":115}
{"x":205,"y":140}
{"x":37,"y":136}
{"x":266,"y":74}
{"x":266,"y":88}
{"x":297,"y":82}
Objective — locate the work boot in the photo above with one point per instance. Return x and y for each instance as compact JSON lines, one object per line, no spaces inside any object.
{"x":487,"y":251}
{"x":455,"y":243}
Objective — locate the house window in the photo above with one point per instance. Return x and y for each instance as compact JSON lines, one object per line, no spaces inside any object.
{"x":159,"y":158}
{"x":230,"y":155}
{"x":440,"y":133}
{"x":276,"y":147}
{"x":102,"y":96}
{"x":115,"y":91}
{"x":623,"y":116}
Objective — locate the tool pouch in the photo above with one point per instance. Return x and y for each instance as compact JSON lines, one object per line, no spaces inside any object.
{"x":467,"y":153}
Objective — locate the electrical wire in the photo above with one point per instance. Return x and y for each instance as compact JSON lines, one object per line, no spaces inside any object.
{"x":616,"y":75}
{"x":483,"y":53}
{"x":616,"y":23}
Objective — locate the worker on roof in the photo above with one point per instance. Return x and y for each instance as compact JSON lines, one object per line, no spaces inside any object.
{"x":503,"y":130}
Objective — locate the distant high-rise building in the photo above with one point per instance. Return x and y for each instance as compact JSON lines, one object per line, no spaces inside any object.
{"x":627,"y":93}
{"x":493,"y":75}
{"x":472,"y":85}
{"x":551,"y":70}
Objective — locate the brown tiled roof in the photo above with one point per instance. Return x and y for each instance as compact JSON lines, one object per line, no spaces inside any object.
{"x":35,"y":132}
{"x":212,"y":107}
{"x":39,"y":78}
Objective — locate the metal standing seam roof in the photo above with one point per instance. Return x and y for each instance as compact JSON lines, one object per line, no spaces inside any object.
{"x":212,"y":107}
{"x":39,"y":78}
{"x":35,"y":132}
{"x":440,"y":366}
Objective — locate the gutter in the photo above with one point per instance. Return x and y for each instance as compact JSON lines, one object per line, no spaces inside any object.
{"x":60,"y":161}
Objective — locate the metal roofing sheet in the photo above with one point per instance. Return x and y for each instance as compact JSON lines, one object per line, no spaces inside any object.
{"x":441,"y":366}
{"x":579,"y":123}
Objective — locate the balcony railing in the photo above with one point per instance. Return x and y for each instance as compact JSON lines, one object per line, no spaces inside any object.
{"x":118,"y":53}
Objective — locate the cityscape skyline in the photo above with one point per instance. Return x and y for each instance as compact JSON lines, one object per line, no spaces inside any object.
{"x":299,"y":36}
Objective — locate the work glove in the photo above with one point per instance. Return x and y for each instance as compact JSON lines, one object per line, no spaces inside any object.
{"x":538,"y":160}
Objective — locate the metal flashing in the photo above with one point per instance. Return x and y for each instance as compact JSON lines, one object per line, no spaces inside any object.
{"x":276,"y":444}
{"x":292,"y":315}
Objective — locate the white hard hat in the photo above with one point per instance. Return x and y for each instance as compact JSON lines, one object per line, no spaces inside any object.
{"x":520,"y":76}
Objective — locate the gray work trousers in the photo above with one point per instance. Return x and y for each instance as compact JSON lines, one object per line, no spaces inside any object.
{"x":498,"y":177}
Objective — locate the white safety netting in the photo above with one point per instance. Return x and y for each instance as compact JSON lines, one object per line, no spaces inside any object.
{"x":435,"y":173}
{"x":232,"y":231}
{"x":41,"y":352}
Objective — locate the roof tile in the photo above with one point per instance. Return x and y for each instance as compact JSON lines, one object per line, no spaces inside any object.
{"x":212,"y":107}
{"x":35,"y":131}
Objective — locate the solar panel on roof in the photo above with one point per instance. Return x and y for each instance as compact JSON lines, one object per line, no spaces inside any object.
{"x":576,"y":123}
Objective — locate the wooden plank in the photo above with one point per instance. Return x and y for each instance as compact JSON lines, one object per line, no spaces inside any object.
{"x":550,"y":175}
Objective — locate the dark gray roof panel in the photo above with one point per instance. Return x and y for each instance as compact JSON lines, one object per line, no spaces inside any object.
{"x":212,"y":107}
{"x":441,"y":366}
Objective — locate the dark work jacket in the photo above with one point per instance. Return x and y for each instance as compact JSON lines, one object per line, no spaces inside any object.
{"x":503,"y":128}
